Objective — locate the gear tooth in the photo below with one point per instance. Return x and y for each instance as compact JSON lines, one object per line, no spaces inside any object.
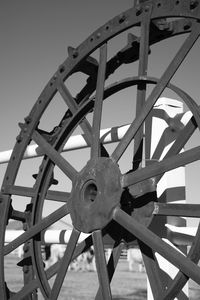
{"x":131,"y":38}
{"x":70,"y":50}
{"x":54,"y":181}
{"x":34,"y":176}
{"x":20,"y":125}
{"x":27,"y":261}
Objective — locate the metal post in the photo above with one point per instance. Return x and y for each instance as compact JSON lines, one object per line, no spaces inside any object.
{"x":108,"y":135}
{"x":166,"y":123}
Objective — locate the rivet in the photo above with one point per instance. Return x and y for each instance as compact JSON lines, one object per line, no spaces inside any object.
{"x":62,"y":69}
{"x":75,"y":54}
{"x":98,"y":35}
{"x":122,"y":18}
{"x":138,"y":11}
{"x":28,"y":119}
{"x":19,"y":138}
{"x":187,"y":26}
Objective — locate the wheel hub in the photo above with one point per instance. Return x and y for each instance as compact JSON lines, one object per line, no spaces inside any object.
{"x":95,"y":193}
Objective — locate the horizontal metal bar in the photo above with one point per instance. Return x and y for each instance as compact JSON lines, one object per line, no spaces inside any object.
{"x":56,"y":236}
{"x":190,"y":231}
{"x":181,"y":236}
{"x":50,"y":236}
{"x":179,"y":210}
{"x":30,"y":192}
{"x":108,"y":135}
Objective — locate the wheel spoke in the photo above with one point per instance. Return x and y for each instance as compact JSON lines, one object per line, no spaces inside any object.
{"x":26,"y":290}
{"x":80,"y":248}
{"x":153,"y":270}
{"x":19,"y":190}
{"x":184,"y":135}
{"x":141,"y":87}
{"x":18,"y":215}
{"x":95,"y":148}
{"x":67,"y":97}
{"x":158,"y":279}
{"x":39,"y":227}
{"x":158,"y":89}
{"x":158,"y":245}
{"x":179,"y":210}
{"x":112,"y":263}
{"x":33,"y":284}
{"x":101,"y":265}
{"x":30,"y":192}
{"x":65,"y":264}
{"x":73,"y":106}
{"x":181,"y":140}
{"x":161,"y":167}
{"x":55,"y":156}
{"x":57,"y":196}
{"x":181,"y":279}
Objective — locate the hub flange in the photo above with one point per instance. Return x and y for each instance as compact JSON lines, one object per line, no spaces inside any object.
{"x":95,"y":193}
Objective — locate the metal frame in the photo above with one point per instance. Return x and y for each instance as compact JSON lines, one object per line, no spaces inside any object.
{"x":115,"y":207}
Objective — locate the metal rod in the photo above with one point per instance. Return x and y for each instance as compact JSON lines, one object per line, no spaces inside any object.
{"x":75,"y":142}
{"x":55,"y":236}
{"x":108,"y":135}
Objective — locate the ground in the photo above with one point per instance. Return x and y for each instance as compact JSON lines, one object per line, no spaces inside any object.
{"x":83,"y":285}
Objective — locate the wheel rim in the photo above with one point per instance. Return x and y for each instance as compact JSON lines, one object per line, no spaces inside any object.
{"x":142,"y":15}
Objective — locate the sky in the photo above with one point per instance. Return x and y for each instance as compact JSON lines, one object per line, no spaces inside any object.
{"x":35,"y":36}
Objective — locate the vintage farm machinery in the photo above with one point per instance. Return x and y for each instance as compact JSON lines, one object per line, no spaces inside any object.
{"x":108,"y":191}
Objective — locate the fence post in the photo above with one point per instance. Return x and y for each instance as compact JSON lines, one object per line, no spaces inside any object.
{"x":166,"y":123}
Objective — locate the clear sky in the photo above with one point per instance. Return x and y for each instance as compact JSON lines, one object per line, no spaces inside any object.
{"x":34,"y":40}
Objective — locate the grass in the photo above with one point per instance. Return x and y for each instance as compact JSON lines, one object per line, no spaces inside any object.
{"x":84,"y":285}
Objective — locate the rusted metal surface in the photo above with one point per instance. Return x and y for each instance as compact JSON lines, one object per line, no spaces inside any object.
{"x":97,"y":191}
{"x":117,"y":207}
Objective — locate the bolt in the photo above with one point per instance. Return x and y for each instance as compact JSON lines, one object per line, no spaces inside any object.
{"x":187,"y":25}
{"x":193,"y":4}
{"x":19,"y":138}
{"x":26,"y":247}
{"x":122,"y":18}
{"x":55,"y":77}
{"x":98,"y":35}
{"x":75,"y":54}
{"x":156,"y":209}
{"x":28,"y":119}
{"x":26,"y":269}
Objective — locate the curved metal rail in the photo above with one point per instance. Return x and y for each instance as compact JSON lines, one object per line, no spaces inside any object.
{"x":115,"y":206}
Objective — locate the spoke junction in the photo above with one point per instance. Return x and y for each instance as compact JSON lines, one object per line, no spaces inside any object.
{"x":55,"y":156}
{"x":158,"y":245}
{"x":156,"y":92}
{"x":67,"y":258}
{"x":36,"y":229}
{"x":101,"y":265}
{"x":159,"y":168}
